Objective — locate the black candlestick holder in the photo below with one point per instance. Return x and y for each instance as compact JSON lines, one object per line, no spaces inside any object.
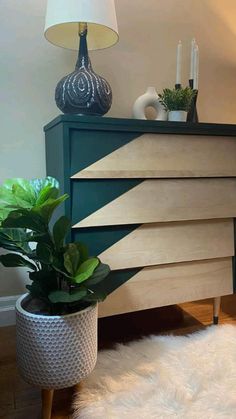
{"x":192,"y":113}
{"x":177,"y":86}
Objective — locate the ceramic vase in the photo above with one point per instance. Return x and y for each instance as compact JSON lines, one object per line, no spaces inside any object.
{"x":149,"y":98}
{"x":177,"y":116}
{"x":83,"y":92}
{"x":55,"y":352}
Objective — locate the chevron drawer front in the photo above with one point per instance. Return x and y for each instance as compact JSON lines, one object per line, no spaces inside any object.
{"x":176,"y":282}
{"x":163,"y":156}
{"x":155,"y":200}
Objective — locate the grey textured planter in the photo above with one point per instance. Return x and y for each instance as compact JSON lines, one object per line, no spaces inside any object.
{"x":55,"y":351}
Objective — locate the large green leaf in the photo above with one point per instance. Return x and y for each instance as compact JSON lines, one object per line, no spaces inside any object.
{"x":24,"y":183}
{"x":37,"y":196}
{"x":14,"y":239}
{"x":58,"y":265}
{"x":71,"y":258}
{"x":14,"y":194}
{"x":86,"y":270}
{"x":4,"y":213}
{"x":12,"y":260}
{"x":17,"y":191}
{"x":7,"y":198}
{"x":25,"y":196}
{"x":95,"y":296}
{"x":40,"y":185}
{"x":66,"y":297}
{"x":46,"y":193}
{"x":83,"y":251}
{"x":38,"y":237}
{"x":46,"y":209}
{"x":99,"y":274}
{"x":23,"y":193}
{"x":44,"y":253}
{"x":60,"y":229}
{"x":25,"y":219}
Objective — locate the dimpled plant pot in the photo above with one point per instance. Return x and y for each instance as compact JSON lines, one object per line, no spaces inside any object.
{"x":55,"y":352}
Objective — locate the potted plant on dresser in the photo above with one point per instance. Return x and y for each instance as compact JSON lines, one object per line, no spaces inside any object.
{"x":56,"y":321}
{"x":177,"y":102}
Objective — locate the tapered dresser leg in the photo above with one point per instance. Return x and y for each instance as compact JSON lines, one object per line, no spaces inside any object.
{"x":216,"y":309}
{"x":47,"y":398}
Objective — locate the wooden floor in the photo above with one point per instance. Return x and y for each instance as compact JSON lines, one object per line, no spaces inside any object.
{"x":18,"y":400}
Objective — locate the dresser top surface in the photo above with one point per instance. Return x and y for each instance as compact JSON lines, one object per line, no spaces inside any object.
{"x":138,"y":125}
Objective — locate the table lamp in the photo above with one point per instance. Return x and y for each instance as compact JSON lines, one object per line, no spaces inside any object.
{"x":83,"y":24}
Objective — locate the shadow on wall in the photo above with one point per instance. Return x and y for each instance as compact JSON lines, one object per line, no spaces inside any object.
{"x":226,"y":12}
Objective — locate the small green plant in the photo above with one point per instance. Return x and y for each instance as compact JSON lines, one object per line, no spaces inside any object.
{"x":177,"y":99}
{"x":64,"y":278}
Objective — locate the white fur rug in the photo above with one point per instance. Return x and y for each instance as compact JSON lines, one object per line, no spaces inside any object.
{"x":187,"y":377}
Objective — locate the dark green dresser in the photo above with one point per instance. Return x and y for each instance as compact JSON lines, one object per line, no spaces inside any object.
{"x":155,"y":200}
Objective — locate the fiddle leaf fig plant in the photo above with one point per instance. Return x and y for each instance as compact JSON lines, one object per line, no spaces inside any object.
{"x":64,"y":277}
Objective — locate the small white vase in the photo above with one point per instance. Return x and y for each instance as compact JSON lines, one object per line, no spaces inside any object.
{"x":149,"y":98}
{"x":177,"y":116}
{"x":55,"y":352}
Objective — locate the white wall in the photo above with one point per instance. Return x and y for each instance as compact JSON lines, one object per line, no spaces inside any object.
{"x":149,"y":31}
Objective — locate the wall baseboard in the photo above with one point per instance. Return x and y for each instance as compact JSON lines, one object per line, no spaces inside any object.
{"x":7,"y":310}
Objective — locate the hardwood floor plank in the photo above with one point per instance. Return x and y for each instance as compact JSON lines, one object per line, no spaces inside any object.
{"x":31,"y":412}
{"x":29,"y":397}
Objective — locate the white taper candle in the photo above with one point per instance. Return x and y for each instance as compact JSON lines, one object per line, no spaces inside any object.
{"x":193,"y":45}
{"x":179,"y":63}
{"x":196,"y":68}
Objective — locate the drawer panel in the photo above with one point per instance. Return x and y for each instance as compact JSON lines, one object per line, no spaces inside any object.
{"x":153,"y":200}
{"x":90,"y":145}
{"x":171,"y":284}
{"x":161,"y":243}
{"x":90,"y":195}
{"x":163,"y":155}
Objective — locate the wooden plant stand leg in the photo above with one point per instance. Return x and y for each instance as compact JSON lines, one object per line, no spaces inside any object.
{"x":47,"y":397}
{"x":216,"y":309}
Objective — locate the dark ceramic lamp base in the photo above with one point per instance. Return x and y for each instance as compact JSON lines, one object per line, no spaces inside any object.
{"x":83,"y":92}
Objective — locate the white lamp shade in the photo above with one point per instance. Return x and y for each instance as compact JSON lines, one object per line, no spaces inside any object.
{"x":63,"y":17}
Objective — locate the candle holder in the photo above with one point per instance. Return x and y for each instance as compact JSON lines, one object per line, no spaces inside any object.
{"x":192,"y":113}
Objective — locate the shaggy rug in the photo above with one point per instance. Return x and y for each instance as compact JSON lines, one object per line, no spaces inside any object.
{"x":160,"y":377}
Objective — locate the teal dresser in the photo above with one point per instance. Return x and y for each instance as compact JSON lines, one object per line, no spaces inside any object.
{"x":155,"y":200}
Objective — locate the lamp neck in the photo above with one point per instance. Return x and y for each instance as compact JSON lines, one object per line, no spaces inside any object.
{"x":83,"y":58}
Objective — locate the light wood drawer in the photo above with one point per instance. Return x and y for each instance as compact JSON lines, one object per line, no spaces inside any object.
{"x":167,"y":155}
{"x":161,"y":243}
{"x":171,"y":284}
{"x":160,"y":200}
